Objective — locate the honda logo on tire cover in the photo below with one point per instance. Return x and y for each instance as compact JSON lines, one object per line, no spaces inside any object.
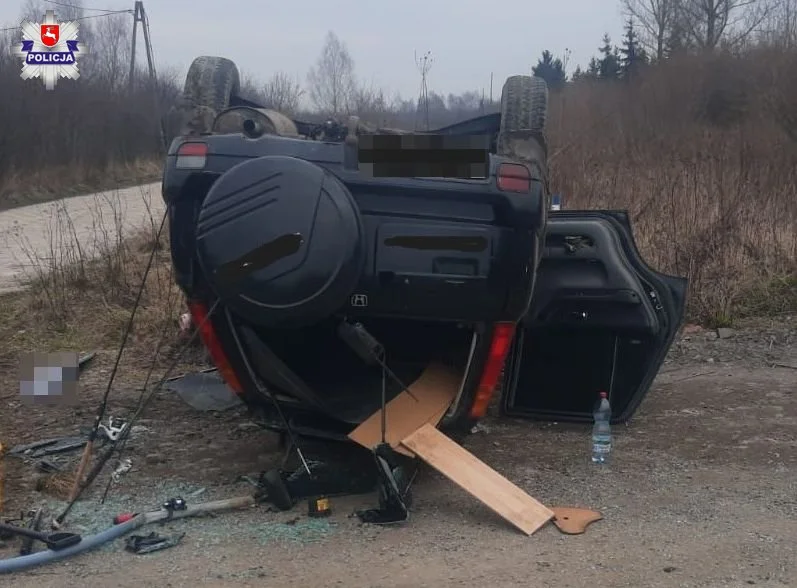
{"x":360,"y":300}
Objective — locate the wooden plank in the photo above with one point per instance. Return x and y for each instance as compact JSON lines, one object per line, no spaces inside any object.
{"x":474,"y":476}
{"x":433,"y":392}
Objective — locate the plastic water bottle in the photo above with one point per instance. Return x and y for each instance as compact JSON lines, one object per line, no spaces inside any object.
{"x":602,"y":430}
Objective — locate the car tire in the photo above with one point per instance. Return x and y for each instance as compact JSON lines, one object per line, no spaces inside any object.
{"x":524,"y":104}
{"x":210,"y":84}
{"x":524,"y":114}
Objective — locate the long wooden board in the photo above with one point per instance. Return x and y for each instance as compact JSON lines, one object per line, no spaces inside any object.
{"x":477,"y":478}
{"x":433,"y":393}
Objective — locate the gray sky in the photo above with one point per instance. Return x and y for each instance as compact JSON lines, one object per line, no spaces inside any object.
{"x":468,"y":38}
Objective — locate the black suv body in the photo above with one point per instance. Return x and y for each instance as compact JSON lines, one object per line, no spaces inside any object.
{"x":281,"y":242}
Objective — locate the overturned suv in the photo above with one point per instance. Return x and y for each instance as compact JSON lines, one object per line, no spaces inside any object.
{"x":291,"y":256}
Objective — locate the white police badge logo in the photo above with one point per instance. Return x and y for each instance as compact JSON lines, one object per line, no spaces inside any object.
{"x":49,"y":50}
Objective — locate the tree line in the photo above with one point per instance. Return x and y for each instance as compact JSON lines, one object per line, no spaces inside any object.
{"x":690,"y":123}
{"x":116,"y":123}
{"x":658,"y":30}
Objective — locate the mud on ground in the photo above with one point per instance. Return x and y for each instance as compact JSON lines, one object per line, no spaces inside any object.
{"x":702,"y":490}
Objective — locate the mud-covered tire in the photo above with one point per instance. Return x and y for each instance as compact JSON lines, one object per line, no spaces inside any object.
{"x":524,"y":114}
{"x":524,"y":104}
{"x":210,"y":84}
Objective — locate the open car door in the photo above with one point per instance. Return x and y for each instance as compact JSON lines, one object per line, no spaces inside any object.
{"x":600,"y":320}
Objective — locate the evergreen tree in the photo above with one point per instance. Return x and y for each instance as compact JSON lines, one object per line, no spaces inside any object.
{"x":551,"y":70}
{"x":578,"y":73}
{"x":594,"y":68}
{"x":609,"y":63}
{"x":632,"y":55}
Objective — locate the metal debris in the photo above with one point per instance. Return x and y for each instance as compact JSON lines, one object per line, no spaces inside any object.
{"x":121,"y":469}
{"x":48,"y":447}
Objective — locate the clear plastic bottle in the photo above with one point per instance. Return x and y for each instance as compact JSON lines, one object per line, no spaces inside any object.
{"x":602,"y":430}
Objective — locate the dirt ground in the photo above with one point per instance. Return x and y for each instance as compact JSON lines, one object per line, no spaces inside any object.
{"x":701,"y":492}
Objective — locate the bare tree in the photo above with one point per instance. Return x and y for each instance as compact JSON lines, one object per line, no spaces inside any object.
{"x":710,"y":22}
{"x":110,"y":49}
{"x":33,"y":10}
{"x":656,"y":18}
{"x":331,"y":81}
{"x":779,"y":28}
{"x":250,"y":88}
{"x":283,"y":92}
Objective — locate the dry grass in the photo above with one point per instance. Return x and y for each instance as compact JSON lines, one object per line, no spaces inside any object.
{"x":702,"y":152}
{"x":80,"y":294}
{"x":22,"y":188}
{"x":701,"y":157}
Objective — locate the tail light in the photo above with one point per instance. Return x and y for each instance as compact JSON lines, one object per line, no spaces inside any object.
{"x":192,"y":155}
{"x":199,"y":314}
{"x":514,"y":177}
{"x":496,"y":357}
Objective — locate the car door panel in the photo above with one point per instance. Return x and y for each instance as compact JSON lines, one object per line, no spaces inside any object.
{"x":600,"y":319}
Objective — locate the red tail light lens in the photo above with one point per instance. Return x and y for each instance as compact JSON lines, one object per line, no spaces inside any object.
{"x":192,"y":155}
{"x":496,"y":357}
{"x":199,"y":314}
{"x":514,"y":177}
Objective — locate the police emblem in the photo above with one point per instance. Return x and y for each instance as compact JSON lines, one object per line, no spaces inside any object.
{"x":49,"y":50}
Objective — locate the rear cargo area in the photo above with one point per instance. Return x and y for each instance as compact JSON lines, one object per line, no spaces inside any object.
{"x":345,"y":382}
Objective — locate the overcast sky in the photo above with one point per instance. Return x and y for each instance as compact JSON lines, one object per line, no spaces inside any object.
{"x":468,"y":39}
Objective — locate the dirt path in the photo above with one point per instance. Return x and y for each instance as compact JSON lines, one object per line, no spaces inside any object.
{"x":47,"y":230}
{"x":702,"y":492}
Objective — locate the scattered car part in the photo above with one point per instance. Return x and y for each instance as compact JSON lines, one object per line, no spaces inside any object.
{"x":392,"y":506}
{"x":55,"y":541}
{"x":275,"y":490}
{"x":348,"y":476}
{"x":113,"y":429}
{"x":141,"y":544}
{"x":48,"y":467}
{"x":83,"y":362}
{"x":319,"y":507}
{"x":118,"y":530}
{"x":35,"y":524}
{"x":84,"y":459}
{"x":103,"y":459}
{"x":48,"y":447}
{"x":173,"y":505}
{"x":124,"y":466}
{"x":204,"y":391}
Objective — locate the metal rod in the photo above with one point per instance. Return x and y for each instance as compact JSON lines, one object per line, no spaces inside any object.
{"x":614,"y":368}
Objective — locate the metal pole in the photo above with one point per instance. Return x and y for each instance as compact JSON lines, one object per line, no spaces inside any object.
{"x":131,"y":77}
{"x":147,"y":43}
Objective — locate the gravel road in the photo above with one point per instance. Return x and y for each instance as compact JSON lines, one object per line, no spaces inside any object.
{"x":702,"y":492}
{"x":32,"y":235}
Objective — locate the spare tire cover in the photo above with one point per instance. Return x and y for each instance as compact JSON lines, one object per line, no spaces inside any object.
{"x":280,"y":241}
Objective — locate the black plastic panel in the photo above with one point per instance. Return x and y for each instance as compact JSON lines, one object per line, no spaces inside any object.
{"x":600,"y":320}
{"x":280,"y":241}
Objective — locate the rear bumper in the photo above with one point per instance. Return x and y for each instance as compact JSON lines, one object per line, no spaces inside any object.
{"x":305,"y":415}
